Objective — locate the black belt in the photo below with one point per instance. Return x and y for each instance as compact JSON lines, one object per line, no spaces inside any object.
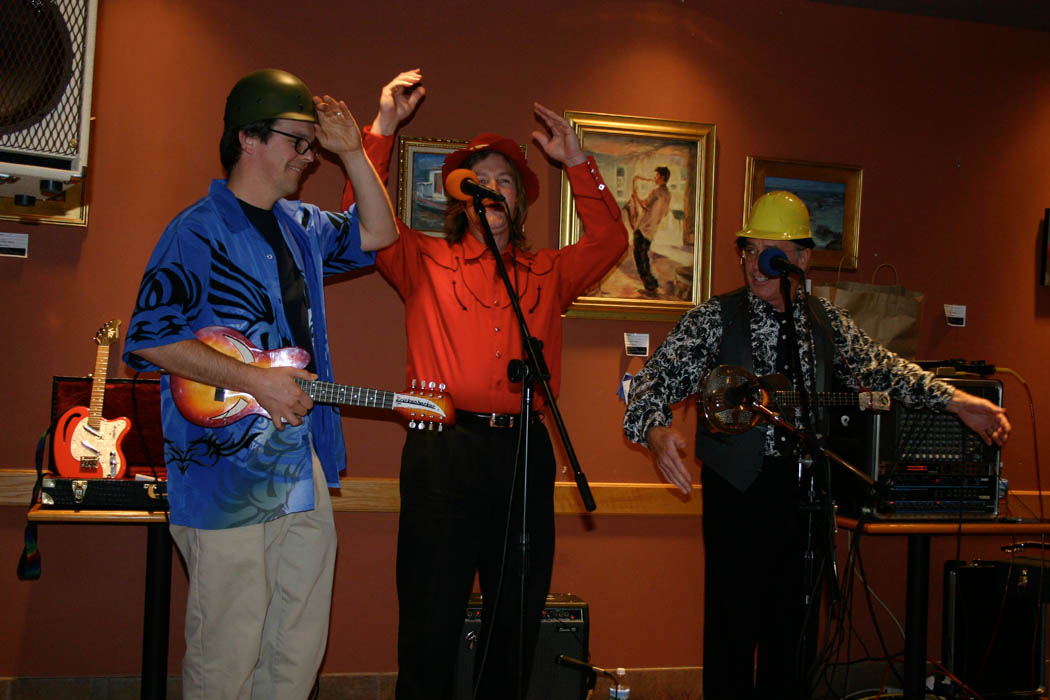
{"x":494,"y":420}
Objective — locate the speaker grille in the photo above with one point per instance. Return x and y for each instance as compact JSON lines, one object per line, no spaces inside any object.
{"x":43,"y":48}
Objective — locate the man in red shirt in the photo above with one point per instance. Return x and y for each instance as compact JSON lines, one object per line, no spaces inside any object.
{"x":461,"y":489}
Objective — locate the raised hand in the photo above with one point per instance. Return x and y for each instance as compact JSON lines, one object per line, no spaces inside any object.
{"x":398,"y":100}
{"x":561,"y":144}
{"x":336,"y":128}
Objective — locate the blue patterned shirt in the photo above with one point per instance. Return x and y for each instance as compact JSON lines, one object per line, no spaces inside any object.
{"x":212,"y":268}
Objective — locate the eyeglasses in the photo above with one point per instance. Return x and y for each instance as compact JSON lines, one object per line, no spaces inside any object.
{"x":301,"y":144}
{"x":752,"y":251}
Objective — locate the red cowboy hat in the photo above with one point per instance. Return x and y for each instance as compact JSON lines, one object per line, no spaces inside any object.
{"x":505,"y":147}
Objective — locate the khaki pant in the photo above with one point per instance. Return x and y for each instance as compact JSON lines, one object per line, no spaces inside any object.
{"x":258,"y":605}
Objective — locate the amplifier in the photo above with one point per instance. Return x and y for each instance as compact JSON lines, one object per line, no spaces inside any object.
{"x":563,"y":630}
{"x":930,"y":464}
{"x":994,"y":626}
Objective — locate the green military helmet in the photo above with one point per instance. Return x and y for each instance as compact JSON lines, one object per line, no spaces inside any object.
{"x":268,"y":94}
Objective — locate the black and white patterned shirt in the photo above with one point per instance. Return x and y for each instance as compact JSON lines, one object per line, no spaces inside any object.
{"x":675,"y":370}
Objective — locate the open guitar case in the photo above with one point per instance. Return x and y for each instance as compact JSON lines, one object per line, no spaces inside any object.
{"x":138,"y":400}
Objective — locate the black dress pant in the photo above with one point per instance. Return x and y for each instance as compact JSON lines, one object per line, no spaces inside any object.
{"x":456,"y":503}
{"x":754,"y":589}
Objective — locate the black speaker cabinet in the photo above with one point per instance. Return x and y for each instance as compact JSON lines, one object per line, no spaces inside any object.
{"x":47,"y":51}
{"x":563,"y":630}
{"x":994,"y":626}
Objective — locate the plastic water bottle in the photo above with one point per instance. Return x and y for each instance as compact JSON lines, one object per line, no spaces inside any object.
{"x":620,"y":690}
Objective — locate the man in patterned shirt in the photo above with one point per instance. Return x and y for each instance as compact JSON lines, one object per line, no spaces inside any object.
{"x":250,"y":509}
{"x":753,"y":531}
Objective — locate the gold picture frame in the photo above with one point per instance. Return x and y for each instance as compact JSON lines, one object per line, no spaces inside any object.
{"x":831,"y":191}
{"x":420,"y":189}
{"x":676,"y":242}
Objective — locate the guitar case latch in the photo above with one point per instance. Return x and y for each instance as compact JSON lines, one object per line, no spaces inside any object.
{"x":79,"y":487}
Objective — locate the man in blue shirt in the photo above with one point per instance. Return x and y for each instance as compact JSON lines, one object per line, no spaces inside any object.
{"x":249,"y":503}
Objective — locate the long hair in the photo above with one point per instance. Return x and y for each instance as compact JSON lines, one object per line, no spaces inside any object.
{"x":456,"y":223}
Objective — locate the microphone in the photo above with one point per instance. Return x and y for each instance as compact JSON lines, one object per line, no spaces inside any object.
{"x":774,"y":262}
{"x":463,"y":184}
{"x":577,"y":664}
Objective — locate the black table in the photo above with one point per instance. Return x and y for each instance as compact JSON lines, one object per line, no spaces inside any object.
{"x":156,"y":615}
{"x":917,"y":594}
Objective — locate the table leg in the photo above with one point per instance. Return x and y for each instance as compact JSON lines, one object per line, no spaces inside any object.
{"x":157,"y":613}
{"x":917,"y":609}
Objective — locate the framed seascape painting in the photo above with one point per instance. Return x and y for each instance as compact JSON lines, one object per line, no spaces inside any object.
{"x":420,"y":189}
{"x":661,"y":173}
{"x":832,"y":195}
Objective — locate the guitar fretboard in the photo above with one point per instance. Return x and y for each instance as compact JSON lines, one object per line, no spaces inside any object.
{"x":820,"y":398}
{"x":329,"y":393}
{"x":98,"y":387}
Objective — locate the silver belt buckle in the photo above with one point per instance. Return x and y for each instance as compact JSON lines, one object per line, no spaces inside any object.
{"x":494,"y":421}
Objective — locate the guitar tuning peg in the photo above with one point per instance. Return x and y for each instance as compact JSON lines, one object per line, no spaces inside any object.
{"x":431,"y":385}
{"x":430,"y":426}
{"x":441,"y":386}
{"x":420,"y":426}
{"x":411,"y":424}
{"x":413,"y":383}
{"x":441,"y":427}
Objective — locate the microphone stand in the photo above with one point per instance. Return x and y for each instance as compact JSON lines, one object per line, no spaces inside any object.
{"x":533,"y":368}
{"x":811,"y":503}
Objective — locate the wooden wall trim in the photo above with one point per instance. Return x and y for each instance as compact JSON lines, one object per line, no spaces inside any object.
{"x":380,"y":495}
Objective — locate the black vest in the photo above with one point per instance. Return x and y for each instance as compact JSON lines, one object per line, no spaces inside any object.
{"x":738,"y":458}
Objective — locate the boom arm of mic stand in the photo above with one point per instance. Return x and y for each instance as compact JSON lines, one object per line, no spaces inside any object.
{"x":778,"y":420}
{"x":535,"y":360}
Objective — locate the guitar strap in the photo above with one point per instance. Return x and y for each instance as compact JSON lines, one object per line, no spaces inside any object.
{"x":29,"y":561}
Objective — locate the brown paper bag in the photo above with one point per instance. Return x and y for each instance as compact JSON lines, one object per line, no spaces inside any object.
{"x":888,"y":313}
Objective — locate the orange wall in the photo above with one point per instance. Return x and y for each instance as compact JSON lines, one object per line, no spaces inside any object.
{"x":950,"y":120}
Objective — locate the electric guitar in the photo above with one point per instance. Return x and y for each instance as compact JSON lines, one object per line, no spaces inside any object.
{"x":87,"y":446}
{"x":212,"y":407}
{"x":728,"y":395}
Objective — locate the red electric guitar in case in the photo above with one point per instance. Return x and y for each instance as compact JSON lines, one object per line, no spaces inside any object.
{"x":211,"y":407}
{"x":87,"y":446}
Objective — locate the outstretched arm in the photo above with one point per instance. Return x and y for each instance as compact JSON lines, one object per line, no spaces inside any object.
{"x":397,"y":101}
{"x":337,"y":132}
{"x":981,"y":416}
{"x":561,"y":144}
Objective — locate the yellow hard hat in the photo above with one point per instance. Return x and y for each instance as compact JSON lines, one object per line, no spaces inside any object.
{"x":777,"y":216}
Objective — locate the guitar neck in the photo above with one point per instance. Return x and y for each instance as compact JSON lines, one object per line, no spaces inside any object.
{"x":820,"y":398}
{"x":98,"y":387}
{"x":329,"y":393}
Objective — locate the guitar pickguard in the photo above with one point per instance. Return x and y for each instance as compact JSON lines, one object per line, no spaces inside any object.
{"x":97,"y":452}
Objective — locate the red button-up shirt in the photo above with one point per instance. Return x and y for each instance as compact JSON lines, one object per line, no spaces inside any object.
{"x":460,"y":325}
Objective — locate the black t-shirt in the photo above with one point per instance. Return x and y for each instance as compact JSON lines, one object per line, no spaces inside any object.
{"x":293,"y":285}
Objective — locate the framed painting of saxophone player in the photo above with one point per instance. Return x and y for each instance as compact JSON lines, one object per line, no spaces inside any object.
{"x":832,"y":195}
{"x":420,"y":189}
{"x":661,"y":173}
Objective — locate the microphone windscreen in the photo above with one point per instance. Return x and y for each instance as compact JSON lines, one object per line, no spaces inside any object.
{"x":454,"y":183}
{"x":766,"y":258}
